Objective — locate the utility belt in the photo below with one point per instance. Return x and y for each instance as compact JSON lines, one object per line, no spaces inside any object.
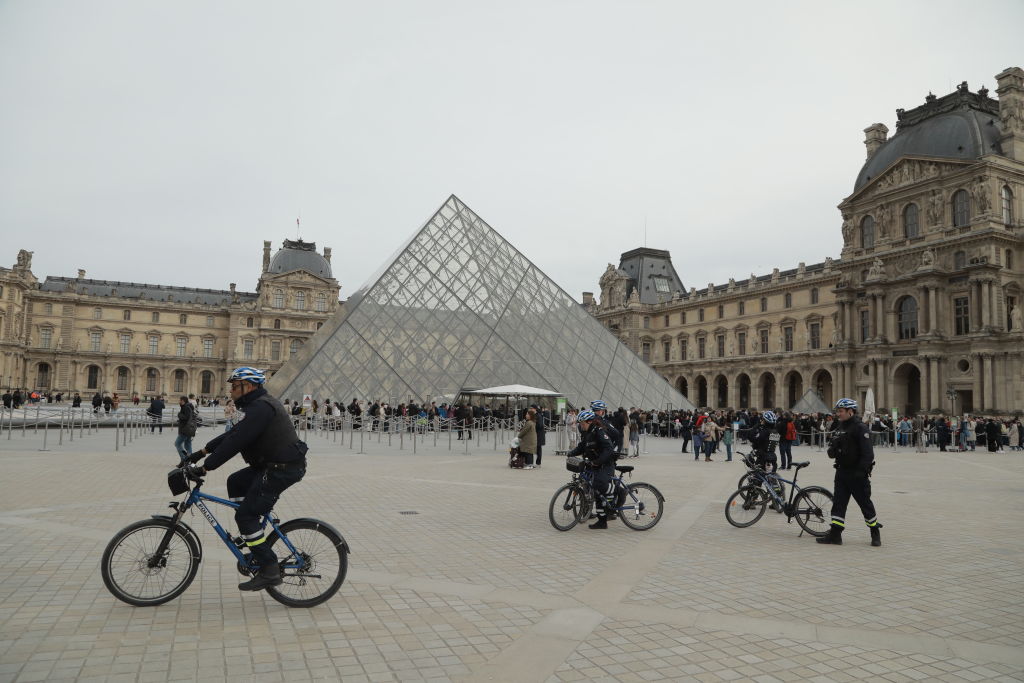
{"x":293,"y":465}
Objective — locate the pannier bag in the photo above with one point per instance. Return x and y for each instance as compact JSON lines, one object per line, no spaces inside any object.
{"x":177,"y":482}
{"x":574,"y":464}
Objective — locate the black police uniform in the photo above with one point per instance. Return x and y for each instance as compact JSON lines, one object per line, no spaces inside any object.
{"x":596,"y":447}
{"x":763,"y":440}
{"x":613,"y":433}
{"x":276,"y":458}
{"x":854,"y":459}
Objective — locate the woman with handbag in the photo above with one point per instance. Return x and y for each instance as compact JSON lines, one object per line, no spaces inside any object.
{"x":528,"y":439}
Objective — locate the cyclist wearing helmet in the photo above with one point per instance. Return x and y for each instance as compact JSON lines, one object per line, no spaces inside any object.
{"x":275,"y":457}
{"x":763,"y":439}
{"x":600,"y":409}
{"x":596,"y":447}
{"x":855,"y":458}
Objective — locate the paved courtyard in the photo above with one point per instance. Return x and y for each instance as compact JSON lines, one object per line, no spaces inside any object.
{"x":477,"y":586}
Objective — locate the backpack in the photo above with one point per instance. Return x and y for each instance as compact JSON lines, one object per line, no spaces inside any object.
{"x":195,"y":421}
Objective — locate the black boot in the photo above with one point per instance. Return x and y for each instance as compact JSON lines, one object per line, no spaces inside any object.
{"x":834,"y":536}
{"x":601,"y":523}
{"x":876,"y":537}
{"x":269,"y":574}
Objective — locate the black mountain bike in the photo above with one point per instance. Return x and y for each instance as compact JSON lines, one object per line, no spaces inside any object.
{"x":811,"y":506}
{"x":642,"y":507}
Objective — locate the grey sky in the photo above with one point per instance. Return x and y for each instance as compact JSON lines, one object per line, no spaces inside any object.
{"x":162,"y":142}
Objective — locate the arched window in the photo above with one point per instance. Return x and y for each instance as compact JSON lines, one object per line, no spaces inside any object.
{"x":910,"y":224}
{"x":294,"y":347}
{"x":278,"y":299}
{"x":1006,"y":199}
{"x":867,"y":232}
{"x":959,"y":260}
{"x":321,"y":302}
{"x":300,"y":300}
{"x":961,"y":209}
{"x":122,"y":378}
{"x":908,"y":317}
{"x":277,"y":324}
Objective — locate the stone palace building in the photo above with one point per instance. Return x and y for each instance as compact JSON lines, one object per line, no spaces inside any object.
{"x":76,"y":334}
{"x":923,"y":306}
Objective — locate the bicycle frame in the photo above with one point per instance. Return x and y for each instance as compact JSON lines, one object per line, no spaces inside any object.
{"x":588,"y":477}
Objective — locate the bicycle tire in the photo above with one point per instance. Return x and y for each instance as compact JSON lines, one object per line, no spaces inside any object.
{"x":125,"y":564}
{"x":325,"y":553}
{"x":649,"y":512}
{"x":812,"y":508}
{"x":568,"y":507}
{"x":749,"y":499}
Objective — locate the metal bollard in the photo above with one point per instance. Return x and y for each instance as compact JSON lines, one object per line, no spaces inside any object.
{"x":60,"y":441}
{"x":361,"y":451}
{"x":45,"y":432}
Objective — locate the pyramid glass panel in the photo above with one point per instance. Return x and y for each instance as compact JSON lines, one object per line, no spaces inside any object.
{"x":458,"y":307}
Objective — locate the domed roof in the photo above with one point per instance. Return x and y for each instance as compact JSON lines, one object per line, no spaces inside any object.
{"x":299,"y":255}
{"x":962,"y":125}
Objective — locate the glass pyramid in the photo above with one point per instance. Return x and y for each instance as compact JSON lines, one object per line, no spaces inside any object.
{"x":459,"y":307}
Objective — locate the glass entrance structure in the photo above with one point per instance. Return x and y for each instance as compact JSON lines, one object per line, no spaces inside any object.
{"x":459,"y":307}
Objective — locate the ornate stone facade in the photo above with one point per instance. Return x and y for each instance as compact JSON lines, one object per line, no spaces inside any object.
{"x":76,"y":334}
{"x":923,"y":306}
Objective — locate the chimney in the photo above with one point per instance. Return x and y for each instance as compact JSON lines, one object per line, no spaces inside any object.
{"x":266,"y":255}
{"x":327,"y":254}
{"x":588,"y":298}
{"x":81,"y":273}
{"x":874,"y":137}
{"x":232,"y":285}
{"x":1011,"y":111}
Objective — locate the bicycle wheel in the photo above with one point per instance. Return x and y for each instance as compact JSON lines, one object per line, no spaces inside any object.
{"x":324,"y":562}
{"x":133,"y":573}
{"x":812,"y":508}
{"x":643,"y":507}
{"x":745,"y":506}
{"x":748,"y":479}
{"x":568,"y":507}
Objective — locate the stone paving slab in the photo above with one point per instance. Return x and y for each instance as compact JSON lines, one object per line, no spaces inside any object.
{"x":477,"y":585}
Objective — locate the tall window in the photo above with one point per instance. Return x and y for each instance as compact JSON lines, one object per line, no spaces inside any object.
{"x":788,"y":300}
{"x":125,"y":341}
{"x":666,"y":321}
{"x":207,"y":348}
{"x":126,"y":315}
{"x":1008,"y":261}
{"x":645,"y":350}
{"x":867,"y":232}
{"x":47,"y":308}
{"x":183,"y":319}
{"x":910,"y":224}
{"x":179,"y":381}
{"x":321,"y":305}
{"x":961,"y":209}
{"x":701,"y":342}
{"x":247,"y":347}
{"x":209,"y":321}
{"x":278,"y":299}
{"x":682,"y":318}
{"x":865,"y":324}
{"x":647,"y":322}
{"x":94,"y":340}
{"x":741,"y":343}
{"x":814,"y":295}
{"x":97,"y":313}
{"x":743,"y":308}
{"x":294,"y":347}
{"x":764,"y":340}
{"x":122,"y":378}
{"x":700,"y":315}
{"x":959,"y":260}
{"x":667,"y":348}
{"x":43,"y":375}
{"x":92,"y":377}
{"x":155,"y":317}
{"x":300,"y":300}
{"x":179,"y":346}
{"x":720,"y":341}
{"x":1011,"y":303}
{"x":764,"y":304}
{"x":1006,"y":199}
{"x":908,"y":318}
{"x":683,"y":351}
{"x":815,"y":333}
{"x":248,"y":322}
{"x":151,"y":376}
{"x":45,"y":337}
{"x":275,"y":350}
{"x":206,"y":380}
{"x":154,"y":344}
{"x":277,"y":323}
{"x":961,"y":315}
{"x":787,"y":338}
{"x":721,"y":311}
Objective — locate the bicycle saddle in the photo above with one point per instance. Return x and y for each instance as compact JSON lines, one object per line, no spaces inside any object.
{"x":623,"y":468}
{"x":798,"y":465}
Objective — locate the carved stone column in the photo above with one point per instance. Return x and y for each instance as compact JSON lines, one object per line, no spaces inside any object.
{"x":934,"y":394}
{"x":989,"y":381}
{"x":986,"y":304}
{"x":976,"y":371}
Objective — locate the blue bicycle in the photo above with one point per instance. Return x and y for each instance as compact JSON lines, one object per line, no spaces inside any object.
{"x":638,"y":505}
{"x":154,"y":560}
{"x":811,"y":506}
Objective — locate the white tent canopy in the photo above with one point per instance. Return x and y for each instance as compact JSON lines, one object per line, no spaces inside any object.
{"x":514,"y":390}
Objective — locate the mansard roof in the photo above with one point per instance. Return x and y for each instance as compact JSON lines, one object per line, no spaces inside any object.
{"x":135,"y":290}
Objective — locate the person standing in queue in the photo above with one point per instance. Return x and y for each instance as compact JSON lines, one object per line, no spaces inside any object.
{"x":275,"y":460}
{"x":854,"y":459}
{"x":596,"y":447}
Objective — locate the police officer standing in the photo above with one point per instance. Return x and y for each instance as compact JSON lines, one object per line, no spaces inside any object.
{"x":855,"y":458}
{"x":596,"y":447}
{"x":276,"y":459}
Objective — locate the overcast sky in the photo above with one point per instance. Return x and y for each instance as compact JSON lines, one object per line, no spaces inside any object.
{"x":162,"y":142}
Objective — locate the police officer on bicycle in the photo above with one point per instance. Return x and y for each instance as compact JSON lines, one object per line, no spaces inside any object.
{"x":275,"y":457}
{"x":854,"y":459}
{"x":596,"y":447}
{"x":600,"y":409}
{"x":763,"y":439}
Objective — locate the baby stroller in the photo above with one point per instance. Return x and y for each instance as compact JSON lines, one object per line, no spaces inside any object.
{"x":515,"y":458}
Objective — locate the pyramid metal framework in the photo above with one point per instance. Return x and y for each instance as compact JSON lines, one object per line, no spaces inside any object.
{"x":459,"y":307}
